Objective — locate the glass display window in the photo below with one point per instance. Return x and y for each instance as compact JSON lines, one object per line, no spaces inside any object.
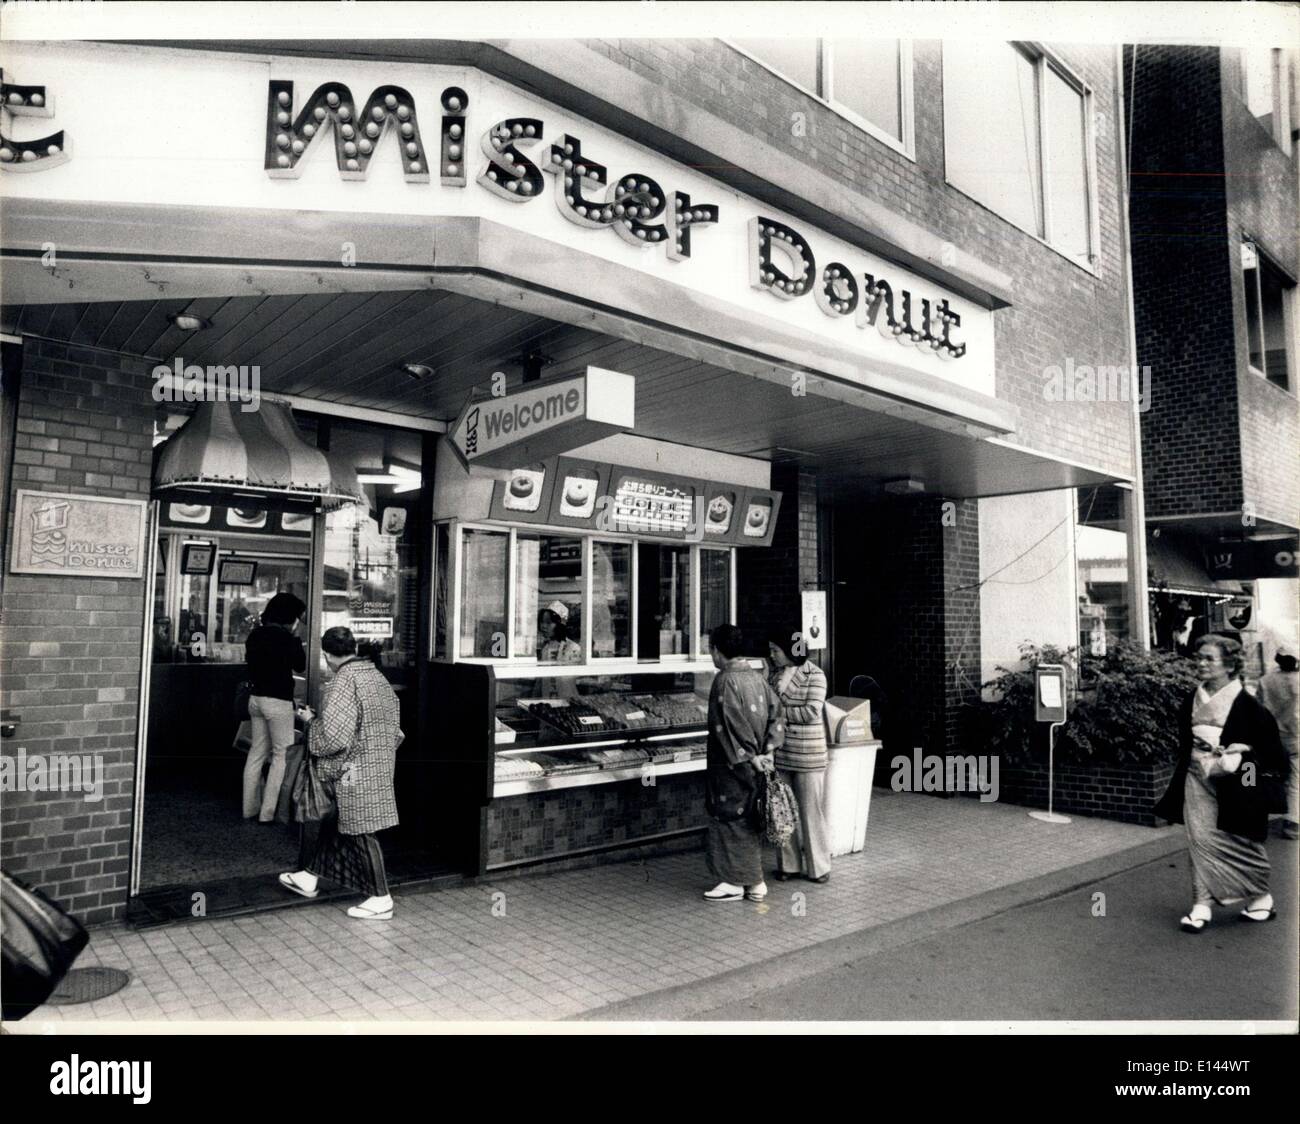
{"x":611,"y":600}
{"x":574,"y":600}
{"x":485,"y":574}
{"x":549,"y":589}
{"x":715,"y":593}
{"x":664,"y":615}
{"x":239,"y":606}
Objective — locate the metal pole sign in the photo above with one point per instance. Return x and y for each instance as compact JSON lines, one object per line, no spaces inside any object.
{"x":1049,"y":706}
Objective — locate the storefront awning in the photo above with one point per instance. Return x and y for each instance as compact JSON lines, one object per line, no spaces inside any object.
{"x":1174,"y":568}
{"x":226,"y":453}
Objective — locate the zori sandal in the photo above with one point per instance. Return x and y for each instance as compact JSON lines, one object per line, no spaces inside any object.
{"x":363,"y":914}
{"x":288,"y":881}
{"x":1258,"y":915}
{"x":1193,"y":924}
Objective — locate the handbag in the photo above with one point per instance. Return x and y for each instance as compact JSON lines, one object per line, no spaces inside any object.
{"x":243,"y":693}
{"x":40,"y":942}
{"x":780,"y":810}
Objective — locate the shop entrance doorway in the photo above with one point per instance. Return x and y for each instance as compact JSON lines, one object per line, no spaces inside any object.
{"x":364,"y":567}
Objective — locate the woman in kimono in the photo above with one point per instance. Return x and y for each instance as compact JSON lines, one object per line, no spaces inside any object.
{"x":1223,"y":787}
{"x":354,"y":745}
{"x":745,"y":727}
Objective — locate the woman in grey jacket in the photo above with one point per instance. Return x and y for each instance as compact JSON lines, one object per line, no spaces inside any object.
{"x":801,"y":761}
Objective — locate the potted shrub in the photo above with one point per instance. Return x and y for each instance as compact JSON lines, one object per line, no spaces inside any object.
{"x":1115,"y":754}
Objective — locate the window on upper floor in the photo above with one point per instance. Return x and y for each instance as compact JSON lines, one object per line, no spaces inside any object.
{"x":868,"y":81}
{"x":1266,"y":90}
{"x":1016,"y":139}
{"x":1268,"y":293}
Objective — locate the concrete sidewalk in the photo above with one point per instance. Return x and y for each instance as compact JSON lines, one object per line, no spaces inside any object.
{"x":588,"y":943}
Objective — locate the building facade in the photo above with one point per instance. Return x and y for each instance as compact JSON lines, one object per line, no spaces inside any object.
{"x":1216,"y":233}
{"x":855,"y":295}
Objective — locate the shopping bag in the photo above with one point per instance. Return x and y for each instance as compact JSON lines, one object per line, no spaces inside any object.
{"x":780,"y":811}
{"x":40,"y":943}
{"x":243,"y":693}
{"x":313,"y":796}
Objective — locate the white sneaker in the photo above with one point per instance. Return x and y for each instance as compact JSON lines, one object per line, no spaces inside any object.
{"x":724,"y":892}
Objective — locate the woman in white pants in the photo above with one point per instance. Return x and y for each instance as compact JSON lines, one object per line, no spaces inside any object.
{"x":801,"y":761}
{"x":273,"y":652}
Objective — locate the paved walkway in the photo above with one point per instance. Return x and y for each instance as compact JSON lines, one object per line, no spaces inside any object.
{"x":555,"y":946}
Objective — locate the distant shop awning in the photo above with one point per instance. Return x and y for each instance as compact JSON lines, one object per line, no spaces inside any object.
{"x":1176,"y":567}
{"x":227,"y":455}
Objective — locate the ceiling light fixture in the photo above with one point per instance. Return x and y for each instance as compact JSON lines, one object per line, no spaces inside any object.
{"x":417,"y":370}
{"x":402,"y":479}
{"x":188,"y":322}
{"x":904,"y":487}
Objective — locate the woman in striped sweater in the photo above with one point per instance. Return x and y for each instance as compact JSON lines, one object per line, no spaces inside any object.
{"x":802,"y":761}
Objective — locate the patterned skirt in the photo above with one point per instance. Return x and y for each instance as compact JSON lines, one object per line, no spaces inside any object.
{"x":354,"y":861}
{"x":1226,"y":868}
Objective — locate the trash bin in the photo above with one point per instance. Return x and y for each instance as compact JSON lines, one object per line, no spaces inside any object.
{"x":848,"y":795}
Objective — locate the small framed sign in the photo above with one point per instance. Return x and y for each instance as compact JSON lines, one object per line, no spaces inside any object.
{"x":198,"y":558}
{"x":236,"y":571}
{"x":1049,"y":693}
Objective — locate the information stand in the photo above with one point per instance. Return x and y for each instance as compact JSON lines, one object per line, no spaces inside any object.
{"x":1049,"y":706}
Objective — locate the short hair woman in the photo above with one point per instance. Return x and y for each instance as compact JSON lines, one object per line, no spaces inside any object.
{"x":273,"y":653}
{"x":355,"y":745}
{"x":1228,"y":748}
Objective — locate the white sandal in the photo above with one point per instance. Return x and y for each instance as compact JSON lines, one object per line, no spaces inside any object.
{"x":361,"y":913}
{"x":288,"y":882}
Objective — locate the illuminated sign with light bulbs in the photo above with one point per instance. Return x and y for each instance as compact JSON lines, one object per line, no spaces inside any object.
{"x":34,"y":155}
{"x":634,"y":206}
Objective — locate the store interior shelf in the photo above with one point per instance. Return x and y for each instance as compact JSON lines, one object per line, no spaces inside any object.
{"x":560,"y":748}
{"x":596,"y":776}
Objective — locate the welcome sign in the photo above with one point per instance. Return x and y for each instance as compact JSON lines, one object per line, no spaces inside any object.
{"x":543,"y":419}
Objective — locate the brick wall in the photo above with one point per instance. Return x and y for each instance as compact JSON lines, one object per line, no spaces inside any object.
{"x":1182,"y":282}
{"x":1127,"y":795}
{"x":1263,"y":204}
{"x":70,"y":646}
{"x":907,"y":614}
{"x":1060,"y":310}
{"x":768,"y":581}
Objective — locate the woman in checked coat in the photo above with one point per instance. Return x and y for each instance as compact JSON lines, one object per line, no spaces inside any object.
{"x":354,"y":745}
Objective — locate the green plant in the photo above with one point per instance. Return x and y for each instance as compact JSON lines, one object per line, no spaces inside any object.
{"x":1125,"y":711}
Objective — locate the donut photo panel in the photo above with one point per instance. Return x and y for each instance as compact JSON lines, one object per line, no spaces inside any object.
{"x":719,"y":511}
{"x":578,"y":487}
{"x":523,"y":491}
{"x":578,"y":495}
{"x":757,"y":517}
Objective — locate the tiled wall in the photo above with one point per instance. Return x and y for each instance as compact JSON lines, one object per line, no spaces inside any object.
{"x":544,"y":824}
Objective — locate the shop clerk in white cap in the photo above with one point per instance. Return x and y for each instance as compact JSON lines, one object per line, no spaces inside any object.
{"x":556,"y":646}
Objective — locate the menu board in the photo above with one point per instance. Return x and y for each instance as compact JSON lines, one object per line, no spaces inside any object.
{"x":589,"y":496}
{"x":645,"y":503}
